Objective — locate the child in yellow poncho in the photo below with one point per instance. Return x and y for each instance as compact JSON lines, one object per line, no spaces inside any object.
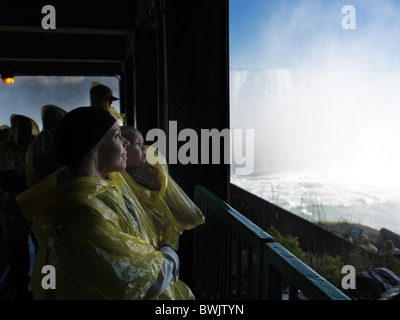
{"x":147,"y":175}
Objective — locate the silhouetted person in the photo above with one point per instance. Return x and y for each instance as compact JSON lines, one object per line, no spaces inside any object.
{"x":5,"y":131}
{"x":12,"y":182}
{"x":102,"y":97}
{"x":40,"y":158}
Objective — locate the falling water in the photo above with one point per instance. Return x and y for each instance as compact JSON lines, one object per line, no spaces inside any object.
{"x":325,"y":135}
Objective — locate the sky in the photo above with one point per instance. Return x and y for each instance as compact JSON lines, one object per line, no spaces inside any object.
{"x":309,"y":33}
{"x":29,"y":94}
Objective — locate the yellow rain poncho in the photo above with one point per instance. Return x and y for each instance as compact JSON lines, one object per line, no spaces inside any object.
{"x":4,"y":132}
{"x":13,"y":151}
{"x":171,"y":209}
{"x":99,"y":239}
{"x":40,"y":157}
{"x":12,"y":181}
{"x":12,"y":159}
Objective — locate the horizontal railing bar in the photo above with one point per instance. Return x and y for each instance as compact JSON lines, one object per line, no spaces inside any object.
{"x":311,"y":284}
{"x":248,"y":229}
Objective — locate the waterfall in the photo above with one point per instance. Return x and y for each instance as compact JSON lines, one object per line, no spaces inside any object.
{"x":328,"y":134}
{"x":320,"y":119}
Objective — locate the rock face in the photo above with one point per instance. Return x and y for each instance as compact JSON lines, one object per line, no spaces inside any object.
{"x":376,"y":284}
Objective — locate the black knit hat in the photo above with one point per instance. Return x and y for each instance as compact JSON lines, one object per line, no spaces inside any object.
{"x":79,"y":131}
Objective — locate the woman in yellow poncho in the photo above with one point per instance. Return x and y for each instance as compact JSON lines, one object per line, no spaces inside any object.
{"x":90,"y":226}
{"x":147,"y":174}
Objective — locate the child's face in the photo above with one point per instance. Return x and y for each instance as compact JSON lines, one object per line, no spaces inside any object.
{"x":136,"y":151}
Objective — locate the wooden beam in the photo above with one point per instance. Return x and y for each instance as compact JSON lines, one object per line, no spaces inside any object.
{"x":62,"y":30}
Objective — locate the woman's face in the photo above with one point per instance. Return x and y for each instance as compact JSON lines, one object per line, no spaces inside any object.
{"x":136,"y":151}
{"x":112,"y":152}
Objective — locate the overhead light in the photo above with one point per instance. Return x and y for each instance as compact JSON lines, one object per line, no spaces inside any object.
{"x":7,"y":79}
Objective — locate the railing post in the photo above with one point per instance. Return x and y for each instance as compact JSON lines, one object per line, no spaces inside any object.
{"x":272,"y":282}
{"x":292,"y":292}
{"x":238,"y":266}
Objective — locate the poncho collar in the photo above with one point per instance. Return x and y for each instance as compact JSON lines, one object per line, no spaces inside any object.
{"x":65,"y":195}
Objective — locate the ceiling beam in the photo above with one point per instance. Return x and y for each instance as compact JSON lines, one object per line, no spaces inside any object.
{"x":39,"y":60}
{"x":61,"y":30}
{"x":52,"y":68}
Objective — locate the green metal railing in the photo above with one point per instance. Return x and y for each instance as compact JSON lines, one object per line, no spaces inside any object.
{"x":235,"y":259}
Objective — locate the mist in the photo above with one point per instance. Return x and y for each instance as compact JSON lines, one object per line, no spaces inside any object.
{"x":320,"y":97}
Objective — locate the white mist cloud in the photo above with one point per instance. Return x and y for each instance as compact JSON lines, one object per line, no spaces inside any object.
{"x":52,"y":80}
{"x":324,"y":97}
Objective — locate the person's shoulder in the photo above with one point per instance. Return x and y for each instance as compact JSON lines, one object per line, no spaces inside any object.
{"x":8,"y":145}
{"x":81,"y":218}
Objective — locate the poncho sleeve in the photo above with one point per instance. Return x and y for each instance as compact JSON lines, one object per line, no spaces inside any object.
{"x":185,"y":211}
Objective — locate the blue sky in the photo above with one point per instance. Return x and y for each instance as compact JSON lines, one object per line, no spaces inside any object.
{"x":309,"y":33}
{"x":29,"y":94}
